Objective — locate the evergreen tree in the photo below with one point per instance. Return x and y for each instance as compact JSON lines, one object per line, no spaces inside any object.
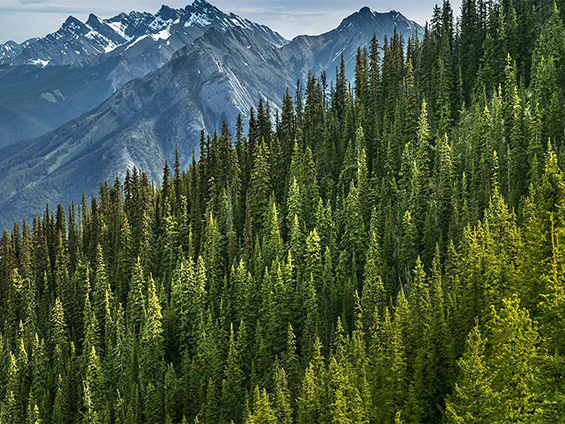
{"x":473,"y":400}
{"x":262,"y":409}
{"x":513,"y":358}
{"x":151,"y":361}
{"x":232,"y":383}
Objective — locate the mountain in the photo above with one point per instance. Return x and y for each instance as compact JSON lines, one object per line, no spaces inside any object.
{"x":72,"y":43}
{"x":209,"y":81}
{"x":44,"y":83}
{"x":34,"y":100}
{"x":205,"y":83}
{"x":151,"y":50}
{"x":76,"y":42}
{"x":323,"y":52}
{"x":11,"y":49}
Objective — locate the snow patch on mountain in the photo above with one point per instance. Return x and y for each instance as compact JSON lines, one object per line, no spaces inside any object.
{"x":162,"y":35}
{"x":119,"y":28}
{"x":39,"y":62}
{"x":76,"y":41}
{"x":197,"y":19}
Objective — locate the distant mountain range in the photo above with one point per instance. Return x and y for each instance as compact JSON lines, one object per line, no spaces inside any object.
{"x":223,"y":66}
{"x":76,"y":42}
{"x":85,"y":63}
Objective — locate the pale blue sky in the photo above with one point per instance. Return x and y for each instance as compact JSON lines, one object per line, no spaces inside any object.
{"x":22,"y":19}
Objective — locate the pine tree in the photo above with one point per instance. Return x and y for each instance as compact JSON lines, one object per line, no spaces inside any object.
{"x":311,"y":401}
{"x":553,"y":303}
{"x":473,"y":400}
{"x":374,"y":296}
{"x":273,"y":243}
{"x":291,"y":364}
{"x":262,"y":409}
{"x":281,"y":397}
{"x":260,"y":186}
{"x":94,"y":386}
{"x":172,"y":395}
{"x":151,"y":361}
{"x":101,"y":286}
{"x":136,"y":299}
{"x":61,"y":404}
{"x":513,"y":360}
{"x":232,"y":384}
{"x":408,"y":247}
{"x":58,"y":337}
{"x":354,"y":237}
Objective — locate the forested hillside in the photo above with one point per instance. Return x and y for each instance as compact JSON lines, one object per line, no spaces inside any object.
{"x":386,"y":250}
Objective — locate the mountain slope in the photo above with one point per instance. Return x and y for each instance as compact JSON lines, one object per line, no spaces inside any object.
{"x":323,"y":52}
{"x":34,"y":101}
{"x":143,"y":122}
{"x":218,"y":76}
{"x":94,"y":60}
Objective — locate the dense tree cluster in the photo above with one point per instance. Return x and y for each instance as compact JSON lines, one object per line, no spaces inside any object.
{"x":384,"y":253}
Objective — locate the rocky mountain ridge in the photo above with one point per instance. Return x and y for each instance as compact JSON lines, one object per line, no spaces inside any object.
{"x":211,"y":80}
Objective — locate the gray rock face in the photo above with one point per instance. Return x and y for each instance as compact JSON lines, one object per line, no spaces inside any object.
{"x":88,"y":62}
{"x":10,"y":49}
{"x":222,"y":73}
{"x":34,"y":101}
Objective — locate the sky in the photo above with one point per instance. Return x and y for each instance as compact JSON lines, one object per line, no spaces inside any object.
{"x":23,"y":19}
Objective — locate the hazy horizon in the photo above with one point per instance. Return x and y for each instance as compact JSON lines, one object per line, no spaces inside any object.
{"x":24,"y":19}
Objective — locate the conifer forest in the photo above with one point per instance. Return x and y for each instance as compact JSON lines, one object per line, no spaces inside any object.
{"x":386,"y":249}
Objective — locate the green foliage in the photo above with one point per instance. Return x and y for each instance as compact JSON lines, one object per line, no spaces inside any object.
{"x":473,"y":399}
{"x":388,"y":252}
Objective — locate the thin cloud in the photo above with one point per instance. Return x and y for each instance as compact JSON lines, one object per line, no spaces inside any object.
{"x":46,"y":7}
{"x":21,"y":19}
{"x":33,"y":1}
{"x":39,"y":9}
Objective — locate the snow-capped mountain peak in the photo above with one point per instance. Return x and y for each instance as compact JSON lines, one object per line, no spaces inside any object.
{"x":382,"y":22}
{"x":72,"y":22}
{"x":77,"y":41}
{"x":9,"y":49}
{"x":168,"y":13}
{"x":202,"y":3}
